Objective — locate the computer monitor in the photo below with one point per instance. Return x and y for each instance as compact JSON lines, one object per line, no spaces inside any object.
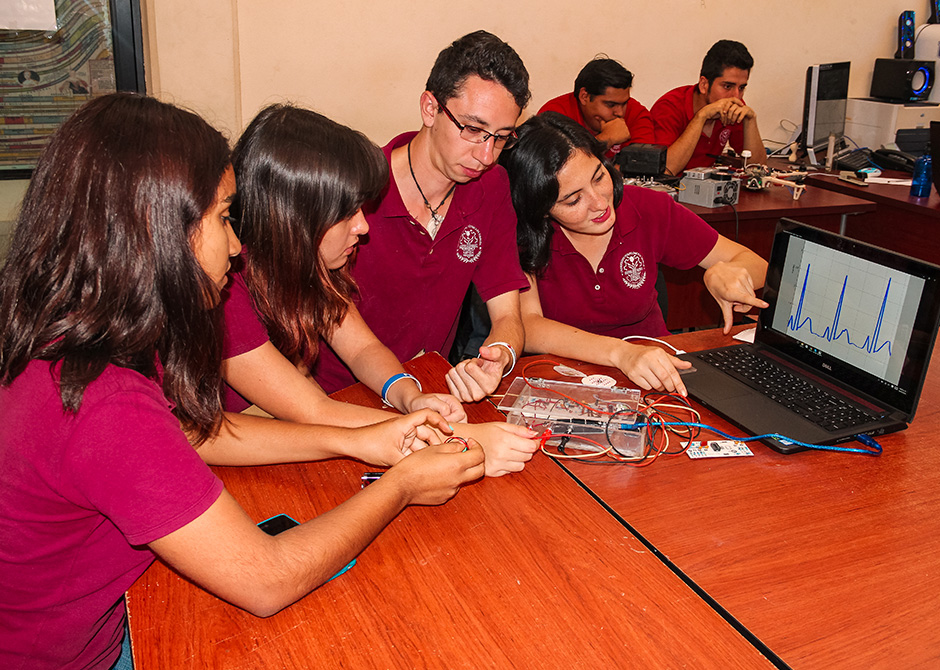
{"x":827,"y":93}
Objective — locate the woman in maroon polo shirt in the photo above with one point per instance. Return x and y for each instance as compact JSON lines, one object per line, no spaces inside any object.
{"x":302,"y":180}
{"x":110,"y":351}
{"x":590,"y":247}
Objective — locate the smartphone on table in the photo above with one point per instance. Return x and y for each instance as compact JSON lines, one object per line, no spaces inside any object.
{"x":281,"y":522}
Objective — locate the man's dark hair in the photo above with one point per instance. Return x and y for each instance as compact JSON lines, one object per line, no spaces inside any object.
{"x":484,"y":55}
{"x":725,"y":54}
{"x":600,"y":74}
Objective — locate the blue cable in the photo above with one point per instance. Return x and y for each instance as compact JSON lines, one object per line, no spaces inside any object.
{"x":874,"y":449}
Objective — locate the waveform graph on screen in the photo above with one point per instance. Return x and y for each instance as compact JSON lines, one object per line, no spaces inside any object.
{"x":849,"y":308}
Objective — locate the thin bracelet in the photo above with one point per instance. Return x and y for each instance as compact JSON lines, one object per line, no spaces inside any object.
{"x":397,"y":378}
{"x":512,"y":352}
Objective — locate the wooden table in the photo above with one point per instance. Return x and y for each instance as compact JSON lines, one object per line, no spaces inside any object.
{"x":832,"y":560}
{"x":523,"y":571}
{"x":901,"y":223}
{"x":752,"y":223}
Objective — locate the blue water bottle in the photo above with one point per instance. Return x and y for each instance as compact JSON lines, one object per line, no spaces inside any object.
{"x":923,"y":176}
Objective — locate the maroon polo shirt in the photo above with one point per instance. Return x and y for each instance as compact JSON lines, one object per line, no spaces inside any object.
{"x":620,"y":298}
{"x":243,"y":330}
{"x":673,"y":112}
{"x":411,"y":286}
{"x":636,"y":116}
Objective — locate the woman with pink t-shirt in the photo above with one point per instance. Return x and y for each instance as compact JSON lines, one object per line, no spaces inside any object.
{"x":110,"y":362}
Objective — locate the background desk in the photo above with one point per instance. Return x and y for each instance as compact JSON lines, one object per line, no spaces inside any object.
{"x":901,"y":223}
{"x":832,"y":560}
{"x":752,"y":223}
{"x":523,"y":571}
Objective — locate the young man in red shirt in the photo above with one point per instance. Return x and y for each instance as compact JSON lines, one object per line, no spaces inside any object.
{"x":697,"y":121}
{"x":601,"y":102}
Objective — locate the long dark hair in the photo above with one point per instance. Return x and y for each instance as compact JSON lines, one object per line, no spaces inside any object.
{"x":299,"y":174}
{"x":100,"y":270}
{"x":546,"y":142}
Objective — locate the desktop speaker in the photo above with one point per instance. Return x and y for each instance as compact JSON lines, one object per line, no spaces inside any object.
{"x":905,"y":35}
{"x":902,"y":79}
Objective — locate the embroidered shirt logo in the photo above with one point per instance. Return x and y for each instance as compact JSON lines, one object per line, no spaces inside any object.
{"x":724,"y":136}
{"x":470,"y":245}
{"x":633,"y":270}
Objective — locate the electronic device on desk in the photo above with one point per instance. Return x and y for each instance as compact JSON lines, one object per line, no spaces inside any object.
{"x":902,"y":79}
{"x":641,"y":160}
{"x":841,"y":351}
{"x":927,"y":46}
{"x":905,"y":35}
{"x":854,"y":161}
{"x":884,"y":159}
{"x":709,"y":187}
{"x":605,"y":416}
{"x":893,"y":159}
{"x":824,"y":104}
{"x":875,"y":123}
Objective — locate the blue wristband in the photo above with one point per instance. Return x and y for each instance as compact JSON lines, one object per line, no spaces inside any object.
{"x":392,"y":380}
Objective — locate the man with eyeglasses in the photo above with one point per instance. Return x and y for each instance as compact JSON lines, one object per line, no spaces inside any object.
{"x":446,"y":221}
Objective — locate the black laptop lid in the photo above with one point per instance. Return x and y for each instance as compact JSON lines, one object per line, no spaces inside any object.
{"x":861,"y":315}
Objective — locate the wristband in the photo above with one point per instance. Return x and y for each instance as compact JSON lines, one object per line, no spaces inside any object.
{"x":392,"y":380}
{"x":512,"y":352}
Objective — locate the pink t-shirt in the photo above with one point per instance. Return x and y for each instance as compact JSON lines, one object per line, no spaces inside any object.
{"x":82,"y":495}
{"x":620,"y":298}
{"x":673,"y":112}
{"x":635,"y":115}
{"x":411,"y":286}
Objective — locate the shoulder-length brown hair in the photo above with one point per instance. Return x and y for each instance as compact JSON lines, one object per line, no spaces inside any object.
{"x":299,"y":174}
{"x":101,"y":271}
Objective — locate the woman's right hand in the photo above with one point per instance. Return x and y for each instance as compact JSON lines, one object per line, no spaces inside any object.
{"x":433,"y":475}
{"x":651,"y":368}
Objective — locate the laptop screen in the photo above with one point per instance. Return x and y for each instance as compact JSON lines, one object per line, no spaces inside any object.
{"x":861,"y":315}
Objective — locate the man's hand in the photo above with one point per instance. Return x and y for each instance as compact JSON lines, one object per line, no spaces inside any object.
{"x":443,"y":403}
{"x":614,"y":132}
{"x":475,"y":378}
{"x":729,"y":111}
{"x":508,"y":447}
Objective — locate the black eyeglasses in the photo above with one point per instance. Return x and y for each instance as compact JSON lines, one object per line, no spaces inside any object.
{"x":480,"y":136}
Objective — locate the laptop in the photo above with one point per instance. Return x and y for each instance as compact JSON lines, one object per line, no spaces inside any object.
{"x":842,"y":349}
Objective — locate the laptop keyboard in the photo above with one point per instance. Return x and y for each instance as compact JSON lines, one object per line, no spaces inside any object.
{"x":825,"y":409}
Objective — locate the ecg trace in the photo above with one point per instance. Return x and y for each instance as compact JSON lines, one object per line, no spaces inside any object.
{"x":832,"y":333}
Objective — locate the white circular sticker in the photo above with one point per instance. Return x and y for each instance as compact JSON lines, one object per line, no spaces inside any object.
{"x":603,"y":381}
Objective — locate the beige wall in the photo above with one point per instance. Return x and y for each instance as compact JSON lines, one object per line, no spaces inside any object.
{"x":364,"y":62}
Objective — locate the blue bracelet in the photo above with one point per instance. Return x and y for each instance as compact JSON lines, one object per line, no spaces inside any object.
{"x":392,"y":380}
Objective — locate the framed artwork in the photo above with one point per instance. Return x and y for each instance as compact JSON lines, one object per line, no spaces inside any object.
{"x":46,"y":75}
